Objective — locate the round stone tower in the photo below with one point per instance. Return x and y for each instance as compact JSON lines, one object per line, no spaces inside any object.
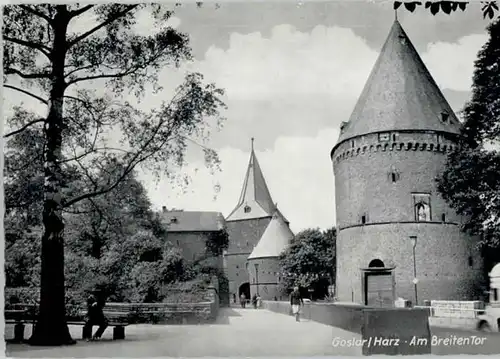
{"x":396,"y":236}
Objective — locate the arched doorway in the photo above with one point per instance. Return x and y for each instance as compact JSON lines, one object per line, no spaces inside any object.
{"x":378,"y":284}
{"x":245,"y":289}
{"x":376,"y":263}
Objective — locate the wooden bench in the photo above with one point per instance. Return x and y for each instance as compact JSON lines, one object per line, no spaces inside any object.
{"x":20,"y":314}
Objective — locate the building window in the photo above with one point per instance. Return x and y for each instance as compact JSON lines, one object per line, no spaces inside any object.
{"x":247,"y":209}
{"x":422,"y":207}
{"x":237,"y":267}
{"x":394,"y":137}
{"x":495,"y":294}
{"x":352,"y":143}
{"x":394,"y":177}
{"x":471,"y":262}
{"x":173,"y":220}
{"x":444,"y":117}
{"x":246,"y":266}
{"x":363,"y":219}
{"x":384,"y":137}
{"x":443,"y":217}
{"x":178,"y":243}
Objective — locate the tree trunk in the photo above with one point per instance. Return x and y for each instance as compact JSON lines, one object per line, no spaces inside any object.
{"x":51,"y":327}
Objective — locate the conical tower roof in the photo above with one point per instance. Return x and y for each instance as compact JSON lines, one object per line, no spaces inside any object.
{"x":255,"y":200}
{"x":275,"y":240}
{"x":400,"y":94}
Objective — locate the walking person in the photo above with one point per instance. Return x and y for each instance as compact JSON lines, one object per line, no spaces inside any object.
{"x":95,"y":316}
{"x":296,"y":302}
{"x":254,"y":301}
{"x":243,"y":300}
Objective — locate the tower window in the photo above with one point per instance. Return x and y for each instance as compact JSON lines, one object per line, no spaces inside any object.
{"x":247,"y":209}
{"x":421,"y":203}
{"x":173,"y":220}
{"x":443,"y":217}
{"x":363,"y":219}
{"x":471,"y":262}
{"x":393,"y":177}
{"x":384,"y":137}
{"x":394,"y":137}
{"x":444,"y":117}
{"x":495,"y":294}
{"x":352,"y":143}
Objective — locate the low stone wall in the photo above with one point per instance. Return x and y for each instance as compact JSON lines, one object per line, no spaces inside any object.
{"x":192,"y":313}
{"x":346,"y":316}
{"x":455,"y":314}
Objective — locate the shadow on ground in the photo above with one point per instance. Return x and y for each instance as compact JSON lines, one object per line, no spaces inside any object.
{"x":224,"y":316}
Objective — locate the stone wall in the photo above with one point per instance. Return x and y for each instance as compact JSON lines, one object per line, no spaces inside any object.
{"x":178,"y":313}
{"x":243,"y":237}
{"x":192,"y":245}
{"x":345,"y":316}
{"x":441,"y":255}
{"x":267,"y":286}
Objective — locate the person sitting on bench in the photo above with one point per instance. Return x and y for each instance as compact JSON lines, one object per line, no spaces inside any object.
{"x":95,"y":316}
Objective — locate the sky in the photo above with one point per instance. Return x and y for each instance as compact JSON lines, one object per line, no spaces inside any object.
{"x":292,"y":73}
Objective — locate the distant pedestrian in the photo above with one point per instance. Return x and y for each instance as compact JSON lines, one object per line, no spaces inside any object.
{"x":234,"y":298}
{"x":259,"y":301}
{"x":243,"y":300}
{"x":254,"y":301}
{"x":95,"y":316}
{"x":296,"y":302}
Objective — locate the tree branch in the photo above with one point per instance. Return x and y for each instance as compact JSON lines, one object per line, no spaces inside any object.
{"x":36,"y":13}
{"x":26,"y":93}
{"x":104,"y":76}
{"x":134,"y":161}
{"x":23,"y":128}
{"x":33,"y":45}
{"x":80,"y":11}
{"x":101,"y":25}
{"x":11,"y":71}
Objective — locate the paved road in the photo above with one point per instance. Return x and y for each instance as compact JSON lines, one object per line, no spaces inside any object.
{"x":238,"y":332}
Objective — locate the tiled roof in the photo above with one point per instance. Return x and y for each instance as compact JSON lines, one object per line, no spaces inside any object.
{"x":191,"y":221}
{"x":400,"y":94}
{"x":275,"y":239}
{"x":255,"y":200}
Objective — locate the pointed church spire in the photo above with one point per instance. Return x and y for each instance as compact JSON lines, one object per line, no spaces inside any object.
{"x":255,"y":200}
{"x":400,"y":94}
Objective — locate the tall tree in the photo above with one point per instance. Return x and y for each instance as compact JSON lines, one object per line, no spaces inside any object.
{"x":309,"y":262}
{"x":471,"y":180}
{"x":63,"y":68}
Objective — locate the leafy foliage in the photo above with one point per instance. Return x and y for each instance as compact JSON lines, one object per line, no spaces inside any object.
{"x":471,"y":183}
{"x":309,"y":262}
{"x":217,"y":242}
{"x":489,"y":8}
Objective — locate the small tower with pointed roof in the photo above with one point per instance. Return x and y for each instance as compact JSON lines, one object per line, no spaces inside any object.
{"x":396,"y":236}
{"x":263,"y":262}
{"x":246,"y":225}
